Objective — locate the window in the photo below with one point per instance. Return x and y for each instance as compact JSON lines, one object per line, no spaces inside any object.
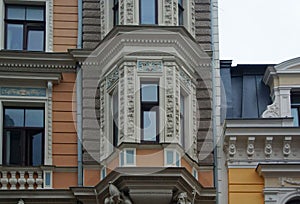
{"x":180,"y":12}
{"x":195,"y":173}
{"x":25,"y":27}
{"x":103,"y":173}
{"x":148,"y":11}
{"x":127,"y":157}
{"x":115,"y":116}
{"x":23,"y":136}
{"x":116,"y":12}
{"x":295,"y":101}
{"x":149,"y":111}
{"x":172,"y":158}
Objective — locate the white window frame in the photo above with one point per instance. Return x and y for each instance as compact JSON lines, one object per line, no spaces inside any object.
{"x":195,"y":173}
{"x":175,"y":155}
{"x":48,"y":19}
{"x":50,"y":173}
{"x":123,"y":154}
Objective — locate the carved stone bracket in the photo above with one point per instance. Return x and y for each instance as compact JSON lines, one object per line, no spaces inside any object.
{"x":232,"y":146}
{"x":272,"y":111}
{"x":115,"y":196}
{"x":268,"y":146}
{"x":250,"y":147}
{"x":286,"y":150}
{"x":182,"y":198}
{"x":290,"y":181}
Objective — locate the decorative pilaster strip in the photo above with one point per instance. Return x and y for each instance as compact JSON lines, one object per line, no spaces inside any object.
{"x":122,"y":95}
{"x":130,"y":68}
{"x":175,"y":13}
{"x":112,"y":78}
{"x":167,"y":13}
{"x":49,"y":116}
{"x":177,"y":105}
{"x":103,"y":18}
{"x":49,"y":22}
{"x":185,"y":79}
{"x":22,"y":91}
{"x":195,"y":123}
{"x":193,"y":18}
{"x":169,"y":100}
{"x":102,"y":121}
{"x":122,"y":12}
{"x":130,"y":12}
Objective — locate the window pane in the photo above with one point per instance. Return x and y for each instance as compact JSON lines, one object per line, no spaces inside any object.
{"x":295,"y":115}
{"x":180,"y":2}
{"x":170,"y":157}
{"x":149,"y":93}
{"x":148,"y":11}
{"x":35,"y":41}
{"x":36,"y":147}
{"x":14,"y":39}
{"x":34,"y":118}
{"x":16,"y":12}
{"x":35,"y":13}
{"x":177,"y":159}
{"x":13,"y":147}
{"x":130,"y":156}
{"x":14,"y":118}
{"x":149,"y":125}
{"x":181,"y":104}
{"x":122,"y":158}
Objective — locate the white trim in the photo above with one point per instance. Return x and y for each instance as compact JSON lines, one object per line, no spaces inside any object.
{"x":48,"y":20}
{"x":44,"y":178}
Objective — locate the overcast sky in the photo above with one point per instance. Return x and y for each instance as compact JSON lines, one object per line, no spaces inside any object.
{"x":259,"y":31}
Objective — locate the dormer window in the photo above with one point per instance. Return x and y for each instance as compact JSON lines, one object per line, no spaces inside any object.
{"x":148,"y":12}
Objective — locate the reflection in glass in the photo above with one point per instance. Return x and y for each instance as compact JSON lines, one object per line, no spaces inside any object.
{"x":149,"y":93}
{"x":295,"y":115}
{"x":37,"y":148}
{"x":130,"y":156}
{"x":14,"y":39}
{"x":148,"y":12}
{"x":35,"y":40}
{"x":14,"y":118}
{"x":34,"y":118}
{"x":15,"y":13}
{"x":13,"y":147}
{"x":170,"y":157}
{"x":35,"y":13}
{"x":149,"y":125}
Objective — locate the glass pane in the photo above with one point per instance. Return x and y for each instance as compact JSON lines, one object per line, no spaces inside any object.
{"x":15,"y":12}
{"x":170,"y":157}
{"x":35,"y":13}
{"x":295,"y":115}
{"x":37,"y":147}
{"x":180,"y":2}
{"x":13,"y":147}
{"x":149,"y":125}
{"x":181,"y":104}
{"x":177,"y":159}
{"x":148,"y":11}
{"x":34,"y":118}
{"x":14,"y":117}
{"x":122,"y":158}
{"x":35,"y":41}
{"x":115,"y":102}
{"x":130,"y":156}
{"x":149,"y":93}
{"x":103,"y":173}
{"x":14,"y":39}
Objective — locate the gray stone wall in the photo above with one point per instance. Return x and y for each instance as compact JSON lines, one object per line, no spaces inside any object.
{"x":91,"y":23}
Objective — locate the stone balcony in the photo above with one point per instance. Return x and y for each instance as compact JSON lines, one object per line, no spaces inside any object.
{"x":23,"y":178}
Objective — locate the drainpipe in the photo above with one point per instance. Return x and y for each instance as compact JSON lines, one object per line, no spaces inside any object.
{"x":214,"y":31}
{"x":79,"y":99}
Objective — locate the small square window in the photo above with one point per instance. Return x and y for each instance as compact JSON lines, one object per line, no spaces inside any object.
{"x":127,"y":157}
{"x":172,"y":158}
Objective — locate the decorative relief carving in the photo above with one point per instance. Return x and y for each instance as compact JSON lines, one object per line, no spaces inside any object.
{"x":122,"y":12}
{"x":130,"y":97}
{"x":149,"y":66}
{"x":49,"y":4}
{"x":182,"y":198}
{"x":250,"y":147}
{"x":170,"y":99}
{"x":272,"y":111}
{"x":103,"y":18}
{"x":122,"y":103}
{"x":290,"y":181}
{"x":129,"y":12}
{"x":193,"y":18}
{"x":18,"y":91}
{"x":112,"y":78}
{"x":168,"y":12}
{"x":115,"y":196}
{"x":195,"y":125}
{"x":49,"y":105}
{"x":186,"y":80}
{"x":286,"y":150}
{"x":268,"y":146}
{"x":102,"y":120}
{"x":232,"y":146}
{"x":177,"y":107}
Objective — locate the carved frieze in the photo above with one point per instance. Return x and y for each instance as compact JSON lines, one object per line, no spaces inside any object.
{"x":23,"y":91}
{"x":149,"y":66}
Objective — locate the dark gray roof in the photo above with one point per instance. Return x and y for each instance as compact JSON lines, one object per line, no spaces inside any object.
{"x":244,"y":93}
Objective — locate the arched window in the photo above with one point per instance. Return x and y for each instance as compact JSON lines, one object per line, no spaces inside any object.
{"x":294,"y":201}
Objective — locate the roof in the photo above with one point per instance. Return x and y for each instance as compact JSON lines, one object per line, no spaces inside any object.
{"x":244,"y":93}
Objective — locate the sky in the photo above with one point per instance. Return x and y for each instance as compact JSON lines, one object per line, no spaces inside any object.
{"x":259,"y":31}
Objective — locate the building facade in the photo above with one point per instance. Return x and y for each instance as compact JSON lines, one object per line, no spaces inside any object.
{"x":261,"y":133}
{"x":107,"y":101}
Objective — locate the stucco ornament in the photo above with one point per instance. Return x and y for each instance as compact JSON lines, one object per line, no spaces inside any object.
{"x":116,"y":197}
{"x":272,"y":111}
{"x":20,"y":202}
{"x":182,"y":198}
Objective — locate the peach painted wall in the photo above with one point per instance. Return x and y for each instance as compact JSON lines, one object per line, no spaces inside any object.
{"x":149,"y":158}
{"x":65,"y":19}
{"x":64,"y":144}
{"x":245,"y":186}
{"x":91,"y":177}
{"x":64,"y":180}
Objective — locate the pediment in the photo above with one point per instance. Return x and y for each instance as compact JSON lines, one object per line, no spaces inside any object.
{"x":289,"y":66}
